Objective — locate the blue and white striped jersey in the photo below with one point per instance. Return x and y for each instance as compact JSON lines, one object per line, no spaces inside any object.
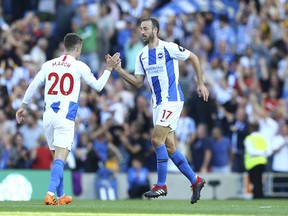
{"x":160,"y":66}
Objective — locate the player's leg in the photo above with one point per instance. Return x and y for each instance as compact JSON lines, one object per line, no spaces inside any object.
{"x":49,"y":133}
{"x":158,"y":141}
{"x":60,"y":135}
{"x":178,"y":158}
{"x":64,"y":136}
{"x":197,"y":183}
{"x":60,"y":157}
{"x":57,"y":169}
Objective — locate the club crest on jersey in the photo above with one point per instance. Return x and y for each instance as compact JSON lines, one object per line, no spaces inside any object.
{"x":160,"y":55}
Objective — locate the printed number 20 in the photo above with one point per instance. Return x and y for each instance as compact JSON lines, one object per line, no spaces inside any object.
{"x":51,"y":91}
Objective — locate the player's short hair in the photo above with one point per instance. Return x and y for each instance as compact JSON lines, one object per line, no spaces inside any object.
{"x":155,"y":23}
{"x":71,"y":40}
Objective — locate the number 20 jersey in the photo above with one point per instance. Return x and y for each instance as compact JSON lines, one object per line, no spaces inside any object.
{"x":160,"y":66}
{"x":62,"y":78}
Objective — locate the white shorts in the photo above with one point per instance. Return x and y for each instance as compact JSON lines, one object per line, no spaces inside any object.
{"x":59,"y":131}
{"x":167,"y":114}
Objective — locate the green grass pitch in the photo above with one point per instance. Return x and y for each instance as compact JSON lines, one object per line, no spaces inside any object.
{"x":148,"y":207}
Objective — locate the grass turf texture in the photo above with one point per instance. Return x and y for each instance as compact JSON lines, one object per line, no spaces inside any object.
{"x":149,"y":207}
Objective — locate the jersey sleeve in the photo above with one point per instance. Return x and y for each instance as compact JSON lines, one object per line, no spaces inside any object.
{"x":176,"y":51}
{"x":139,"y":69}
{"x":38,"y":81}
{"x":89,"y":78}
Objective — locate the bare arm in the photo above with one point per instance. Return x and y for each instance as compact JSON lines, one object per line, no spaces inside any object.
{"x":201,"y":88}
{"x":134,"y":80}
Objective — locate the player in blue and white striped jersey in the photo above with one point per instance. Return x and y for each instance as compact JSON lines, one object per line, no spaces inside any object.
{"x":158,"y":61}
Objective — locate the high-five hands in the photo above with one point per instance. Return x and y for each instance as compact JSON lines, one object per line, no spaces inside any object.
{"x":116,"y":67}
{"x":112,"y":62}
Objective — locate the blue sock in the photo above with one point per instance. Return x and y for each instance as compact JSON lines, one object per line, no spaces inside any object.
{"x":60,"y":188}
{"x":56,"y":175}
{"x":162,"y":160}
{"x":181,"y":162}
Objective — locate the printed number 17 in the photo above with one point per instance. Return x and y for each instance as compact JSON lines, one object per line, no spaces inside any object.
{"x":166,"y":114}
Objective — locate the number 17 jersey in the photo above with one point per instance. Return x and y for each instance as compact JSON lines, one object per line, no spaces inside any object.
{"x":160,"y":66}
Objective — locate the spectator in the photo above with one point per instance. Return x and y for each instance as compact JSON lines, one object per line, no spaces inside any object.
{"x":84,"y":112}
{"x":201,"y":150}
{"x":268,"y":127}
{"x":202,"y":112}
{"x":214,"y":70}
{"x":280,"y":160}
{"x":141,"y":114}
{"x":87,"y":159}
{"x":104,"y":146}
{"x":138,"y":179}
{"x":22,"y":72}
{"x":31,"y":131}
{"x":135,"y":144}
{"x":7,"y":126}
{"x":64,"y":14}
{"x":38,"y":52}
{"x":222,"y":32}
{"x":255,"y":158}
{"x":221,"y":152}
{"x":5,"y":153}
{"x":41,"y":155}
{"x":19,"y":157}
{"x":4,"y":95}
{"x":51,"y":38}
{"x":131,"y":48}
{"x":185,"y":132}
{"x":270,"y":102}
{"x":126,"y":95}
{"x":198,"y":42}
{"x":105,"y":24}
{"x":239,"y":130}
{"x":88,"y":31}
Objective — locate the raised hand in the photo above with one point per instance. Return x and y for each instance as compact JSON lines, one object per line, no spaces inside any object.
{"x":116,"y":61}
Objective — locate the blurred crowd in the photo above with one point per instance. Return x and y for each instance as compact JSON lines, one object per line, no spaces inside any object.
{"x":244,"y":59}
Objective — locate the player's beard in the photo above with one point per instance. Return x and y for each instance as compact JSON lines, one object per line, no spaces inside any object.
{"x":149,"y":39}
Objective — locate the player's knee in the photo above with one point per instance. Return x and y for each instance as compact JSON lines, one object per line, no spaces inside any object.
{"x":155,"y":141}
{"x":171,"y":150}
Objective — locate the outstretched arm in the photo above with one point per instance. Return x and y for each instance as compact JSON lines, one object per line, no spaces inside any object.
{"x":201,"y":88}
{"x":134,"y":80}
{"x":98,"y":84}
